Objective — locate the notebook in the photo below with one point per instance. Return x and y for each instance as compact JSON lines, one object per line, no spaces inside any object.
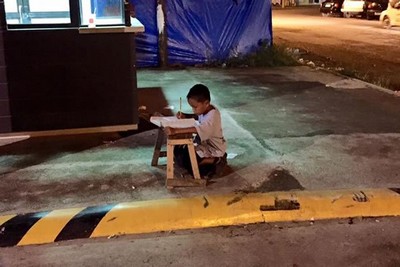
{"x":172,"y":121}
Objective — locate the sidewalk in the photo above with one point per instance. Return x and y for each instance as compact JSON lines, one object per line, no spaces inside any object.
{"x":288,"y":129}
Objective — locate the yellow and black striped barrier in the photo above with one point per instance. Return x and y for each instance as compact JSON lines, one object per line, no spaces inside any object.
{"x":195,"y":212}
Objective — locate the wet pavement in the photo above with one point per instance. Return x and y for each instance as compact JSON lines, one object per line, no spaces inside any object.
{"x":291,"y":128}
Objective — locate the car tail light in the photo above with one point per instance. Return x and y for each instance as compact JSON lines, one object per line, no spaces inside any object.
{"x":336,"y":5}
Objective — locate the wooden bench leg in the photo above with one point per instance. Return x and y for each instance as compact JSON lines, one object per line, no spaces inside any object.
{"x":171,"y":181}
{"x":193,"y":161}
{"x":157,"y":148}
{"x":170,"y":161}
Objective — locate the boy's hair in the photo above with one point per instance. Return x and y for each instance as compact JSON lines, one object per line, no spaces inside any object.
{"x":200,"y":93}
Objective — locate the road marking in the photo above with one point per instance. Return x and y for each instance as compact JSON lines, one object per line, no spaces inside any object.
{"x":195,"y":212}
{"x":3,"y":219}
{"x":14,"y":229}
{"x":83,"y":224}
{"x":47,"y":229}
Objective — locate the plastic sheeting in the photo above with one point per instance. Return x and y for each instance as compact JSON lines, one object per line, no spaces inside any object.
{"x":203,"y":31}
{"x":147,"y":42}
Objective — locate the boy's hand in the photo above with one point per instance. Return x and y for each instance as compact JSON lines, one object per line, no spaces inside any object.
{"x":180,"y":115}
{"x":169,"y":131}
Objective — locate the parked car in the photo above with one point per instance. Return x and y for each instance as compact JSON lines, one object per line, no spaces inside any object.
{"x":391,"y":16}
{"x":351,"y":8}
{"x":374,"y":8}
{"x":331,"y":7}
{"x":365,"y":8}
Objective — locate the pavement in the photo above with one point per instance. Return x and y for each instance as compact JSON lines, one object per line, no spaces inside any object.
{"x":303,"y":144}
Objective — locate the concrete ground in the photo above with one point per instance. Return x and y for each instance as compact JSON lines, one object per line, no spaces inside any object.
{"x":291,"y":128}
{"x":359,"y":242}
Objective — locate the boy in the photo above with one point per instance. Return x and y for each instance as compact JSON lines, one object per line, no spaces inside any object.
{"x":211,"y":145}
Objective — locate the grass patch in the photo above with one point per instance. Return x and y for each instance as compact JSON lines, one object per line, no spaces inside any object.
{"x":264,"y":56}
{"x":373,"y":78}
{"x":349,"y":73}
{"x":379,"y":80}
{"x":360,"y":69}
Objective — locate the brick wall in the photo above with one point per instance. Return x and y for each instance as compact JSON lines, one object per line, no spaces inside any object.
{"x":5,"y":117}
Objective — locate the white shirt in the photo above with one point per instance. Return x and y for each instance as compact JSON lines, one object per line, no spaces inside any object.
{"x":209,"y":129}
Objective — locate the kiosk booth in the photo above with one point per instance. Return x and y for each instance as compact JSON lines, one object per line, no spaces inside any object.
{"x":67,"y":65}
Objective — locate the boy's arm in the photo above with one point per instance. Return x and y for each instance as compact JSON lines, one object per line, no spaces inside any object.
{"x":181,"y":115}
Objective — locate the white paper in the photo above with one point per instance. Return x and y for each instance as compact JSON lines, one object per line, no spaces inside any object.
{"x":172,"y":121}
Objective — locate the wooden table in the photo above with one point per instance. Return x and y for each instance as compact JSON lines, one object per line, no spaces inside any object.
{"x":171,"y":142}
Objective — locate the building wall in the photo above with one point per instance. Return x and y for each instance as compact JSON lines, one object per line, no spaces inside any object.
{"x":5,"y":117}
{"x":61,"y":79}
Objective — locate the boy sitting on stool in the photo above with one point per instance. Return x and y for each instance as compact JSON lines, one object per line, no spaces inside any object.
{"x":210,"y":144}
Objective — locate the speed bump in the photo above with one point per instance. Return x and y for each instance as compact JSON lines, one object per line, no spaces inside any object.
{"x":195,"y":212}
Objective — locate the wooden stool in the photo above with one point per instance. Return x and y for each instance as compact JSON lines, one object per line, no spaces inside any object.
{"x":181,"y":139}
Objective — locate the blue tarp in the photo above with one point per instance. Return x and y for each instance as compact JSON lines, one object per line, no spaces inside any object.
{"x":147,"y":42}
{"x":203,"y":31}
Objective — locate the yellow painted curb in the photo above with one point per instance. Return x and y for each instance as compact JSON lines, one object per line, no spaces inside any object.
{"x":204,"y":211}
{"x":319,"y":205}
{"x":174,"y":214}
{"x":235,"y":209}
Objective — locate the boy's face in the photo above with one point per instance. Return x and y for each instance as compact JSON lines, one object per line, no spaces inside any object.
{"x":198,"y":107}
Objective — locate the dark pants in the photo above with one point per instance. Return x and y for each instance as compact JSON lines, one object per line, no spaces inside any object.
{"x":182,"y":158}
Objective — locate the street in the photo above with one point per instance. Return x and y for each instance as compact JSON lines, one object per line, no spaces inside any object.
{"x":348,"y":242}
{"x":362,"y":47}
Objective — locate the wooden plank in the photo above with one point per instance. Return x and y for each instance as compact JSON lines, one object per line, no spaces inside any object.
{"x":157,"y":148}
{"x":102,"y":129}
{"x":193,"y":161}
{"x":185,"y":182}
{"x":170,"y":162}
{"x":186,"y":141}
